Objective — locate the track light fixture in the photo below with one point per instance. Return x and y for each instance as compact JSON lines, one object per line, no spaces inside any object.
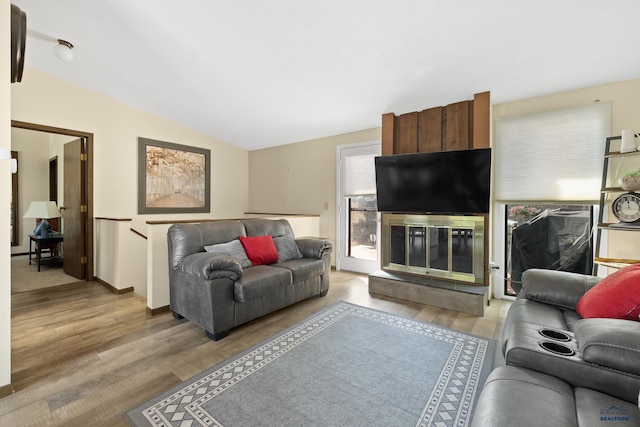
{"x":63,"y":50}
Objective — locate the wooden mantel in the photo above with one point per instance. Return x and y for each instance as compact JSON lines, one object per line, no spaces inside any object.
{"x":457,"y":126}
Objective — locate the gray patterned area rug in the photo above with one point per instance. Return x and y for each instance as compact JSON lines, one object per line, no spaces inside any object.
{"x":344,"y":366}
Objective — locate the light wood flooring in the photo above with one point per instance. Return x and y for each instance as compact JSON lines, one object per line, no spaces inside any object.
{"x":83,"y":356}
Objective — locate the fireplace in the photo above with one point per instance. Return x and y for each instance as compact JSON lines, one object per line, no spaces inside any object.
{"x":447,"y":247}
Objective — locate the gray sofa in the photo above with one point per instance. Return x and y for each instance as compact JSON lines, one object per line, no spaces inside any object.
{"x":213,"y":283}
{"x":562,"y":370}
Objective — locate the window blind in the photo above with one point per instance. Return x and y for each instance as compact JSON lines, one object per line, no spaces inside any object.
{"x":360,"y":175}
{"x":551,"y":156}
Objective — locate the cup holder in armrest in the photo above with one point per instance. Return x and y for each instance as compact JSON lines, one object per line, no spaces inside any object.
{"x":554,"y":335}
{"x":556,"y":348}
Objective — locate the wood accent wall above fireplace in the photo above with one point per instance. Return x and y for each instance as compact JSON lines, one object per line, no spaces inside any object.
{"x":457,"y":126}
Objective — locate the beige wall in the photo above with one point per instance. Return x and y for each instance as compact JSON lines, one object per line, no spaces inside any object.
{"x":300,"y":178}
{"x":5,"y":196}
{"x":44,"y":99}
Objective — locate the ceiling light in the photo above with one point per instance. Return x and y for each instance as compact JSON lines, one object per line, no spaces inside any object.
{"x":63,"y":50}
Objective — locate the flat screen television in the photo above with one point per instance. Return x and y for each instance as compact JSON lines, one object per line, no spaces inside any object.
{"x":447,"y":182}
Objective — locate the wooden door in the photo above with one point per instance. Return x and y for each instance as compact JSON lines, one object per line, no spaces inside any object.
{"x":74,"y":212}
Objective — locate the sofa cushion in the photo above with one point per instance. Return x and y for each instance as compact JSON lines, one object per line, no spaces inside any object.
{"x":303,"y":268}
{"x":595,"y":408}
{"x":558,"y":288}
{"x":260,"y":249}
{"x":261,"y":280}
{"x":614,"y":343}
{"x":287,"y":248}
{"x":518,"y":397}
{"x":186,"y":239}
{"x":233,"y":248}
{"x":272,"y":227}
{"x":514,"y":397}
{"x":616,"y":296}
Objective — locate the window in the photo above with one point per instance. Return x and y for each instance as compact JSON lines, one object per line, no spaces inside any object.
{"x":548,"y":236}
{"x":548,"y":170}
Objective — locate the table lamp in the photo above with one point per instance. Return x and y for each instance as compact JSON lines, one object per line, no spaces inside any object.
{"x":43,"y":210}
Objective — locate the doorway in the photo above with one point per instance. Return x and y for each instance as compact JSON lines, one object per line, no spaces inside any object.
{"x":358,"y":225}
{"x":78,"y":224}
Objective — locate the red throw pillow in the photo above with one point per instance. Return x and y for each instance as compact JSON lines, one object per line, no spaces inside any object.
{"x":617,"y":296}
{"x":260,"y":249}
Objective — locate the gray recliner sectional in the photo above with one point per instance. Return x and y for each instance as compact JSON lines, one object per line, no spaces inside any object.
{"x":562,"y":370}
{"x":213,"y":284}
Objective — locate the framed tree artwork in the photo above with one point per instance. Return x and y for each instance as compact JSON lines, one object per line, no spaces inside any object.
{"x":173,"y":178}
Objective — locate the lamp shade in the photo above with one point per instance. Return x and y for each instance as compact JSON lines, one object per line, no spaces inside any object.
{"x":5,"y":154}
{"x":44,"y":210}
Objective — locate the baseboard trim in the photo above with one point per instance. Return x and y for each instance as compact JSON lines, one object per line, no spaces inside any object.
{"x":156,"y":311}
{"x":113,"y":288}
{"x":6,"y":390}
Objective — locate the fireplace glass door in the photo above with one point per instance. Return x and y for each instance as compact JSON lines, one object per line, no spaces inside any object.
{"x":398,"y":244}
{"x":439,"y":248}
{"x":417,"y":246}
{"x":462,"y":250}
{"x":450,"y":247}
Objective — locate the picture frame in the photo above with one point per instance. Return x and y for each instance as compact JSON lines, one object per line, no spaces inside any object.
{"x":173,"y":178}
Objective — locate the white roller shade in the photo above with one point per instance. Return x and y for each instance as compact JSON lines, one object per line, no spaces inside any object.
{"x":360,"y":175}
{"x":552,"y":156}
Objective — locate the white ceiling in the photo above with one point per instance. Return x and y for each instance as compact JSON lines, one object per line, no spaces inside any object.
{"x":261,"y":73}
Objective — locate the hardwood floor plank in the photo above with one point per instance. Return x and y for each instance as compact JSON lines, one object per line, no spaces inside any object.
{"x":486,"y":325}
{"x":37,"y":410}
{"x":82,"y":355}
{"x":111,"y":397}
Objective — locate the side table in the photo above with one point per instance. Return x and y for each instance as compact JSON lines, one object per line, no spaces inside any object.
{"x":43,"y":243}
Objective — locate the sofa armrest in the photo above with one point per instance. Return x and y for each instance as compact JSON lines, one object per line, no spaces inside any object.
{"x":210,"y":266}
{"x":559,"y":288}
{"x":314,"y":248}
{"x":614,"y":343}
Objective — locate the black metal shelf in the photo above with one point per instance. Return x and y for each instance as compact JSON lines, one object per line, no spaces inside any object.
{"x":619,"y":226}
{"x":615,"y":263}
{"x":619,"y":154}
{"x":613,"y":190}
{"x":602,"y":226}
